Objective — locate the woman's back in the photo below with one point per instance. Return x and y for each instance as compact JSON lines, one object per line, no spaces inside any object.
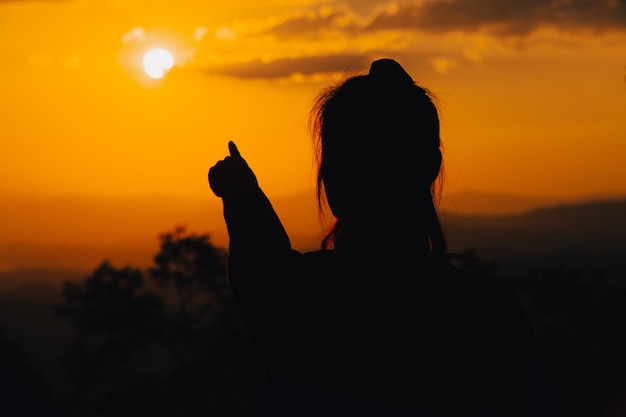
{"x":414,"y":336}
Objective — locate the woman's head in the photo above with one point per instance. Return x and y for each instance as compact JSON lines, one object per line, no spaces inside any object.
{"x":377,"y":138}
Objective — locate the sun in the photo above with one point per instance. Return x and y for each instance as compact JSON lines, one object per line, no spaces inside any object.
{"x":157,"y":62}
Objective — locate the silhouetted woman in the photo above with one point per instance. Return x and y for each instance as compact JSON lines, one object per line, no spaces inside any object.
{"x":378,"y":322}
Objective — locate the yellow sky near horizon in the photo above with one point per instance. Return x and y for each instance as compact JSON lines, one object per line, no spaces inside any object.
{"x":532,"y":95}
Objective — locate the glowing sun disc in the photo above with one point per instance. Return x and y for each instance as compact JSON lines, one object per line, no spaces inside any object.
{"x":157,"y":62}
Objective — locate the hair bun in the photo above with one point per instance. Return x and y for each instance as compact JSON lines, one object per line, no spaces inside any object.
{"x":389,"y":71}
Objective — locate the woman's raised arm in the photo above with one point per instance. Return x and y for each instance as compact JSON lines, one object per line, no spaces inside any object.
{"x":253,"y":226}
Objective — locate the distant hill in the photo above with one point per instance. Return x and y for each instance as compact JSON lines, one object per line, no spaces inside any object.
{"x":79,"y":232}
{"x":494,"y":204}
{"x":587,"y":239}
{"x":598,"y":226}
{"x":74,"y":232}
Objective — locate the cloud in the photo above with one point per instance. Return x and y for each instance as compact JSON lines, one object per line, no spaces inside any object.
{"x":443,"y":64}
{"x":437,"y":36}
{"x":313,"y":23}
{"x":492,"y":16}
{"x":503,"y":17}
{"x":135,"y":34}
{"x":286,"y":67}
{"x":312,"y":67}
{"x":199,"y":33}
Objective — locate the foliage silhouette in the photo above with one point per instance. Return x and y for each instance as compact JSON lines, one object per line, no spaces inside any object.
{"x":22,"y":390}
{"x":168,"y":340}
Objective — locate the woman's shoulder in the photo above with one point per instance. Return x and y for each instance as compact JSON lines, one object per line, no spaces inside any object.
{"x":473,"y":285}
{"x":473,"y":272}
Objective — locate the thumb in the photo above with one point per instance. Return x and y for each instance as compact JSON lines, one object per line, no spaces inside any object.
{"x":233,"y":149}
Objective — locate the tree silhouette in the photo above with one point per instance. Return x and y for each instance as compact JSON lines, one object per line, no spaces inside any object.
{"x":168,"y":340}
{"x":22,"y":390}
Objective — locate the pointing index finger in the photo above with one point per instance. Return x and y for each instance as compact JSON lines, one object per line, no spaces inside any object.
{"x":233,"y":149}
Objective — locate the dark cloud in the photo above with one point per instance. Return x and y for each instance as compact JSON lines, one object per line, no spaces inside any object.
{"x":415,"y":62}
{"x":286,"y":67}
{"x":495,"y":16}
{"x":505,"y":17}
{"x":470,"y":15}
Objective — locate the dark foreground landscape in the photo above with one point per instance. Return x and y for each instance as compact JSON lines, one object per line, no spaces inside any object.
{"x":123,"y":340}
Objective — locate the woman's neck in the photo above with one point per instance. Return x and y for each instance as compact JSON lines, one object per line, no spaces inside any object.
{"x":393,"y":235}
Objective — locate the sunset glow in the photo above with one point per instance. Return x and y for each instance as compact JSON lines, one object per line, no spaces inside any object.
{"x":531,"y":99}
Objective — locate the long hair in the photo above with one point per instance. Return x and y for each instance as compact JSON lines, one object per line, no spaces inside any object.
{"x":382,"y":117}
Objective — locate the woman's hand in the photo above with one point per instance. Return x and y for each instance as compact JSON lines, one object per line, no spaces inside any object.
{"x":231,"y":175}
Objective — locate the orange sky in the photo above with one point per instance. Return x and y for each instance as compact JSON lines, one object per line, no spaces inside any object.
{"x":532,"y":94}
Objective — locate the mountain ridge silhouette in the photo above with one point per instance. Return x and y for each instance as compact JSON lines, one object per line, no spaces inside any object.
{"x":77,"y":233}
